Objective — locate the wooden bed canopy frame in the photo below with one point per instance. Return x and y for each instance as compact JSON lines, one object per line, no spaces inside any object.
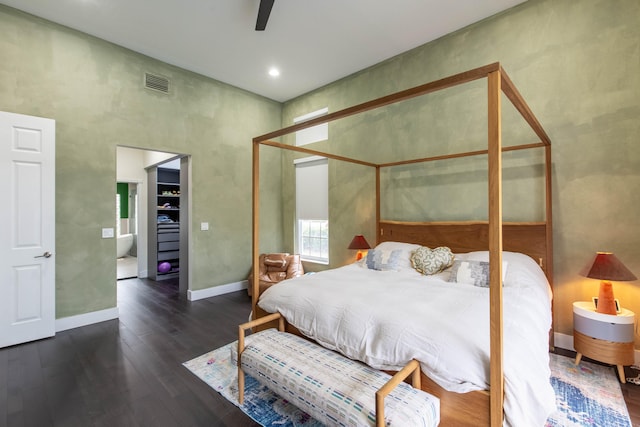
{"x":532,"y":238}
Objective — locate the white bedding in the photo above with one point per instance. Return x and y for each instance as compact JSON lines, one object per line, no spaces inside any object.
{"x":387,"y":318}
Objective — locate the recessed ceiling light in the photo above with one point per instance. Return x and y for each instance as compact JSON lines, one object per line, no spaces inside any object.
{"x":274,"y":72}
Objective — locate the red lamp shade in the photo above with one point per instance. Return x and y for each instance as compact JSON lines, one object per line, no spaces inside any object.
{"x":606,"y":267}
{"x":359,"y":243}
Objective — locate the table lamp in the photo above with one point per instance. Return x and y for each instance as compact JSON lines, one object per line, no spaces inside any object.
{"x":359,"y":243}
{"x":606,"y":267}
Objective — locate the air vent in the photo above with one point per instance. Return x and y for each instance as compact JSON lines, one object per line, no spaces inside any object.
{"x":155,"y":82}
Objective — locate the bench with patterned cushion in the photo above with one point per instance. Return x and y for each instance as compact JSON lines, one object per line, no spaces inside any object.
{"x":331,"y":388}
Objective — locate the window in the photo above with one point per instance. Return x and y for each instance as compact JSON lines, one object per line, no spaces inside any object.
{"x":314,"y":133}
{"x":314,"y":240}
{"x":312,"y":209}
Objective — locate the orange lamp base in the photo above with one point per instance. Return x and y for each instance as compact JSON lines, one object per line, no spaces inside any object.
{"x":606,"y":301}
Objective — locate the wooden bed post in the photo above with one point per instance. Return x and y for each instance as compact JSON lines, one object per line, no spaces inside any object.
{"x":549,"y":212}
{"x":378,"y":230}
{"x":255,"y":244}
{"x":495,"y":249}
{"x":549,"y":230}
{"x":498,"y":83}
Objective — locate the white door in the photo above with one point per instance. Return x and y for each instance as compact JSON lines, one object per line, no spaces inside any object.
{"x":27,"y":228}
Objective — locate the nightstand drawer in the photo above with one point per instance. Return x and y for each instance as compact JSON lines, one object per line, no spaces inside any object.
{"x":614,"y":332}
{"x":615,"y":353}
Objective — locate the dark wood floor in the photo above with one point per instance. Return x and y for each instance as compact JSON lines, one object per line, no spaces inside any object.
{"x":129,"y":372}
{"x":631,"y":394}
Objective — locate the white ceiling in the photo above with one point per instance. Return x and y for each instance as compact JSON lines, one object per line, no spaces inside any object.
{"x":312,"y":42}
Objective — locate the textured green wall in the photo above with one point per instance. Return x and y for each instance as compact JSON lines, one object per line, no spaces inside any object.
{"x":93,"y":89}
{"x":577,"y":64}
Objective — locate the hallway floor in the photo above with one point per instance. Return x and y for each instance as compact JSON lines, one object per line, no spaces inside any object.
{"x":127,"y":267}
{"x":126,"y":372}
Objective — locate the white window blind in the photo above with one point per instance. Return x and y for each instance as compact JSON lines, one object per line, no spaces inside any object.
{"x":312,"y":188}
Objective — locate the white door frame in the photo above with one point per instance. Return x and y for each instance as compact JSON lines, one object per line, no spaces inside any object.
{"x":27,"y":228}
{"x":156,"y":157}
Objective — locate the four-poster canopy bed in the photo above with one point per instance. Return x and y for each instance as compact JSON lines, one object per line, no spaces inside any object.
{"x":530,"y":238}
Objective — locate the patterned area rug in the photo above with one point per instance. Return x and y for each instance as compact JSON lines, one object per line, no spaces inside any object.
{"x":586,"y":395}
{"x":261,"y":404}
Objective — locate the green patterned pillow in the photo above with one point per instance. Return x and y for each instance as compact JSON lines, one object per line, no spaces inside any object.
{"x":431,"y":261}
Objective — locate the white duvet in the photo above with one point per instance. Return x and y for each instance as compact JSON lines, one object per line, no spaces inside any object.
{"x":387,"y":318}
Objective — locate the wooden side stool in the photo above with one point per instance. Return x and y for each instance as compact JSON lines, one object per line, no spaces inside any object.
{"x":606,"y":338}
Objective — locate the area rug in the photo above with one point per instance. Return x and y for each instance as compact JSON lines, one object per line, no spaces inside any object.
{"x":261,"y":404}
{"x":587,"y":395}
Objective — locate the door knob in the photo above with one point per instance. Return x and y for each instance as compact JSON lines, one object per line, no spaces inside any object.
{"x":47,"y":254}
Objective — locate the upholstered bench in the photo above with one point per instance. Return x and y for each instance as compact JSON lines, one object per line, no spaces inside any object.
{"x":331,"y":388}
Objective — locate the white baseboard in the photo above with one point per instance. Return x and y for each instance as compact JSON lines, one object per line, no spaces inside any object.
{"x":566,"y":342}
{"x":65,"y":323}
{"x":563,"y":341}
{"x":85,"y":319}
{"x":216,"y":290}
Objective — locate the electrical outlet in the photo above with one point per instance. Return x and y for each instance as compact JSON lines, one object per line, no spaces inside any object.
{"x":204,"y":226}
{"x":107,"y":233}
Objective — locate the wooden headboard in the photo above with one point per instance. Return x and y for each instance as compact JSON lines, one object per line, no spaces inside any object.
{"x":529,"y":238}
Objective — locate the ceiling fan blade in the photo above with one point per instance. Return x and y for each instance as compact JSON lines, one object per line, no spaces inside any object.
{"x":263,"y":14}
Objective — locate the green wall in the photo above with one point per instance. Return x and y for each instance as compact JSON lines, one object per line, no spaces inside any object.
{"x":577,"y":64}
{"x":122,"y":188}
{"x":93,"y":89}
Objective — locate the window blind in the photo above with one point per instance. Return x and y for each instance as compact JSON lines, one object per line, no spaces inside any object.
{"x":312,"y":188}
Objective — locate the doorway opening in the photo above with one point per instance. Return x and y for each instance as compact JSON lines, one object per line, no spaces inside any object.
{"x":145,"y":211}
{"x":126,"y":230}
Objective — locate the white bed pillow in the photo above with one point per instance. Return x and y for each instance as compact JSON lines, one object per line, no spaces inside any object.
{"x":473,"y":272}
{"x":402,"y":256}
{"x":523,"y":270}
{"x":383,"y":260}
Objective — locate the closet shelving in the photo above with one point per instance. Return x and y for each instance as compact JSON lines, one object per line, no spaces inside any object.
{"x":167,"y":209}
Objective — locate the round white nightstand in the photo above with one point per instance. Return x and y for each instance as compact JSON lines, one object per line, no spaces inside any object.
{"x":603,"y":337}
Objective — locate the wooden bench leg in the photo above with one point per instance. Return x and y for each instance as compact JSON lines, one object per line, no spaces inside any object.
{"x":240,"y":371}
{"x":412,"y":368}
{"x":241,"y":333}
{"x":240,"y":386}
